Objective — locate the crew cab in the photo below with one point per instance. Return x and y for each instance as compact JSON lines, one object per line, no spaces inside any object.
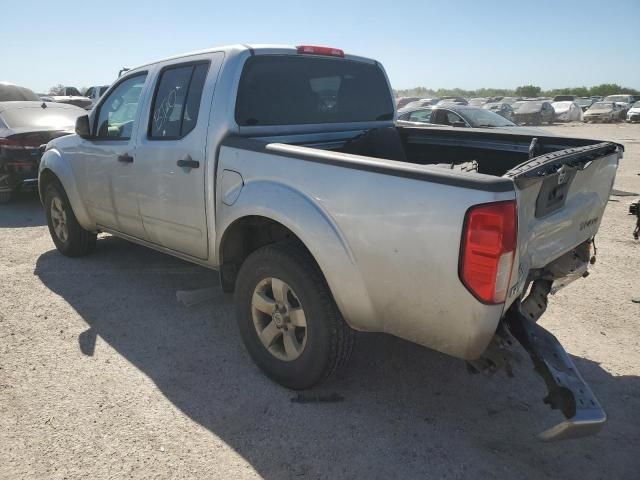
{"x":282,"y":168}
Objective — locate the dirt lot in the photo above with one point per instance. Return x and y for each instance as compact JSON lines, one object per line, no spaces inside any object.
{"x":104,"y":375}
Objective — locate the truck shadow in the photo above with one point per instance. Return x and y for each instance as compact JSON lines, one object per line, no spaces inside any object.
{"x":24,"y":210}
{"x":406,"y":412}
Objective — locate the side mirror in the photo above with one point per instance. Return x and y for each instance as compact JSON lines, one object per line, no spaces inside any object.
{"x":458,"y":124}
{"x":83,"y":129}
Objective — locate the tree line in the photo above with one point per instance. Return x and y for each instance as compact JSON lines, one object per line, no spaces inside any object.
{"x":522,"y":91}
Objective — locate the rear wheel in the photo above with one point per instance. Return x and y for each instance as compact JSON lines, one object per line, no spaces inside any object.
{"x":68,"y":236}
{"x":287,"y":317}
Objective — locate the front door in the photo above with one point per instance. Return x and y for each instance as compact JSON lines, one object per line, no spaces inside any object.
{"x":171,"y":156}
{"x":110,"y":160}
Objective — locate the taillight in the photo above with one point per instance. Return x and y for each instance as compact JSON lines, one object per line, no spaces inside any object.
{"x":488,"y":248}
{"x":314,"y":50}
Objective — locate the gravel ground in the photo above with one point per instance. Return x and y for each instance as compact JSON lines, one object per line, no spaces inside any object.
{"x":104,"y":375}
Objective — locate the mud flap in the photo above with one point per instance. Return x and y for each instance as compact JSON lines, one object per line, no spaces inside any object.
{"x":568,"y":391}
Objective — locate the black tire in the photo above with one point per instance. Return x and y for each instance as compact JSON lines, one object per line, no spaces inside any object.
{"x":5,"y":197}
{"x":329,"y":340}
{"x":78,"y":242}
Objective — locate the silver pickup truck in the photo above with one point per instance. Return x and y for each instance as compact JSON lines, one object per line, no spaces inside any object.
{"x":283,"y":168}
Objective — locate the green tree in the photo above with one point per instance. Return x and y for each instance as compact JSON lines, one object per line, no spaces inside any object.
{"x":528,"y":91}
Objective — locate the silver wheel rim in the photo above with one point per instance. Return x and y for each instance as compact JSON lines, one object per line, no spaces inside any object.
{"x":59,"y":219}
{"x":279,"y":319}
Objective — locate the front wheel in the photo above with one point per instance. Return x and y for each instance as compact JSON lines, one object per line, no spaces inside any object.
{"x":68,"y":236}
{"x":287,"y":317}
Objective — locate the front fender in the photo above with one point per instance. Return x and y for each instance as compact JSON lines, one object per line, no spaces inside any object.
{"x":53,"y":161}
{"x":313,"y":225}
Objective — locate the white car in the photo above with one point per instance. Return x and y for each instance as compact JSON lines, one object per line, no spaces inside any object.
{"x":633,"y":115}
{"x":567,"y":111}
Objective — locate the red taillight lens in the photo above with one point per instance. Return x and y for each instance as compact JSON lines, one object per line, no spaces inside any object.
{"x":488,"y":247}
{"x":314,"y":50}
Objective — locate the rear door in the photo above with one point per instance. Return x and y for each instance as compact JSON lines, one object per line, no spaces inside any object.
{"x":171,"y":155}
{"x":561,"y":199}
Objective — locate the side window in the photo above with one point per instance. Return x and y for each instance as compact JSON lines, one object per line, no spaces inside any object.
{"x":423,"y":116}
{"x":453,"y":118}
{"x":174,"y":111}
{"x":118,"y":111}
{"x":89,"y":92}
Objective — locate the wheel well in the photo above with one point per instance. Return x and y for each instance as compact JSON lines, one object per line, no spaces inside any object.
{"x":245,"y":236}
{"x":46,"y":177}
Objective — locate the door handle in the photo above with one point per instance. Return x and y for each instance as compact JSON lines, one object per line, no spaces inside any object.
{"x":187,"y":162}
{"x":126,"y":158}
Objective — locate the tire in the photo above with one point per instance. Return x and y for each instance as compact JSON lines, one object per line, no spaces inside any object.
{"x":76,"y":241}
{"x":325,"y":343}
{"x":5,"y":197}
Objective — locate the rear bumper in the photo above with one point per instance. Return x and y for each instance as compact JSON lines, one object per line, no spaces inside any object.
{"x":568,"y":391}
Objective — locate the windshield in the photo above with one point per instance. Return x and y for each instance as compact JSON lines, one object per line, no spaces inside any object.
{"x":527,"y":107}
{"x":288,"y":90}
{"x":562,"y":98}
{"x":42,"y":118}
{"x":14,"y":93}
{"x":584,"y":102}
{"x":636,"y":105}
{"x":616,"y":98}
{"x":601,"y":106}
{"x":478,"y":117}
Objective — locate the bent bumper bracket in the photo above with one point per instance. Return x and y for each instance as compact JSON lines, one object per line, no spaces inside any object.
{"x":568,"y":391}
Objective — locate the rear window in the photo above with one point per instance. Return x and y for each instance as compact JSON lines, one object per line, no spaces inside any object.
{"x":289,"y":90}
{"x":42,"y":118}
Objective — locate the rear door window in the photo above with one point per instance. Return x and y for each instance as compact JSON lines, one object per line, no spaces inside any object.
{"x":290,"y":90}
{"x":174,"y":112}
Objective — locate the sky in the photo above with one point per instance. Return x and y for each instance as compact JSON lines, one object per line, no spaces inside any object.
{"x":435,"y":44}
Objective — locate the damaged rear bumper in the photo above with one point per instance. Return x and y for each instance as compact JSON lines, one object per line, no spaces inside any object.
{"x":568,"y":392}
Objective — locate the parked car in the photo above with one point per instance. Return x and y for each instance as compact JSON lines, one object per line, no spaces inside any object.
{"x":533,"y":112}
{"x":464,"y":116}
{"x":452,"y":101}
{"x":564,"y":98}
{"x":441,"y":256}
{"x":477,"y":102}
{"x":71,"y":96}
{"x":423,"y":102}
{"x":14,"y":93}
{"x":501,"y":108}
{"x":567,"y":111}
{"x":510,"y":100}
{"x":633,"y":115}
{"x":403,"y":101}
{"x":625,"y":101}
{"x":94,"y":93}
{"x":24,"y":126}
{"x":605,"y":112}
{"x":585,"y":102}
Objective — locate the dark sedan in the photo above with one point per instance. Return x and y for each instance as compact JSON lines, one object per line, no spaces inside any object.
{"x":533,"y":112}
{"x":463,"y":116}
{"x":24,"y":126}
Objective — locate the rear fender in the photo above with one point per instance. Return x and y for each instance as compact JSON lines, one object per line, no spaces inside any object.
{"x":313,"y":225}
{"x":53,"y":161}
